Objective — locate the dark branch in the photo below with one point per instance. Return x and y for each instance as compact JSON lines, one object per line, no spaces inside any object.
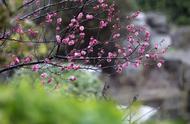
{"x":21,"y":65}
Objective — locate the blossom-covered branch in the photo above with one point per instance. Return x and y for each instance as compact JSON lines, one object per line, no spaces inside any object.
{"x":86,"y":32}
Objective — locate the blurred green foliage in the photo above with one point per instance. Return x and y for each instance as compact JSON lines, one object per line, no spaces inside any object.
{"x":86,"y":85}
{"x":177,"y":10}
{"x":26,"y":100}
{"x":32,"y":104}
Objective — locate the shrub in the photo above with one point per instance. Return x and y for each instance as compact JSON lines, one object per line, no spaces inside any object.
{"x":87,"y":84}
{"x":27,"y":104}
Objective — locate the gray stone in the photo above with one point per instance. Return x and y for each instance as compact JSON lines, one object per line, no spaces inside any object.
{"x":158,"y":22}
{"x":181,"y":37}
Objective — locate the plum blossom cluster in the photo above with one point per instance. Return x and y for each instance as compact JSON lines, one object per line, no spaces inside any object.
{"x":16,"y":60}
{"x":92,"y":34}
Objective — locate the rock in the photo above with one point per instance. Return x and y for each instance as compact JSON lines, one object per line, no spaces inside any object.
{"x":181,"y":37}
{"x":178,"y":54}
{"x":158,"y":22}
{"x":187,"y":78}
{"x":159,"y":29}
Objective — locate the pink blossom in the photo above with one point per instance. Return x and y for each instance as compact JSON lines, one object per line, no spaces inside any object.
{"x":35,"y":68}
{"x":124,"y":54}
{"x":54,"y":14}
{"x":159,"y":64}
{"x":116,"y":35}
{"x":124,"y":65}
{"x":141,"y":50}
{"x":90,"y":49}
{"x":71,"y":42}
{"x":111,"y":55}
{"x":69,"y":67}
{"x":156,"y":46}
{"x":103,"y":5}
{"x":130,"y":38}
{"x":76,"y":67}
{"x":147,"y":35}
{"x":79,"y":17}
{"x":44,"y":75}
{"x":130,"y":27}
{"x":83,"y":52}
{"x":19,"y":30}
{"x":130,"y":50}
{"x":65,"y":40}
{"x":58,"y":38}
{"x":119,"y":51}
{"x":72,"y":78}
{"x":16,"y":61}
{"x":136,"y":33}
{"x":50,"y":80}
{"x":47,"y":60}
{"x":93,"y":42}
{"x":71,"y":24}
{"x":164,"y":50}
{"x":57,"y":28}
{"x":96,"y":7}
{"x":77,"y":54}
{"x":88,"y":16}
{"x":146,"y":44}
{"x":81,"y":28}
{"x":73,"y":20}
{"x":137,"y":63}
{"x":72,"y":36}
{"x":49,"y":18}
{"x":59,"y":20}
{"x":82,"y":35}
{"x":103,"y":24}
{"x":119,"y":69}
{"x":32,"y":33}
{"x":37,"y":2}
{"x":100,"y":1}
{"x":134,"y":15}
{"x":147,"y":56}
{"x":27,"y":59}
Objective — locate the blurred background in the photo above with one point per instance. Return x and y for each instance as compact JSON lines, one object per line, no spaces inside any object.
{"x":167,"y":89}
